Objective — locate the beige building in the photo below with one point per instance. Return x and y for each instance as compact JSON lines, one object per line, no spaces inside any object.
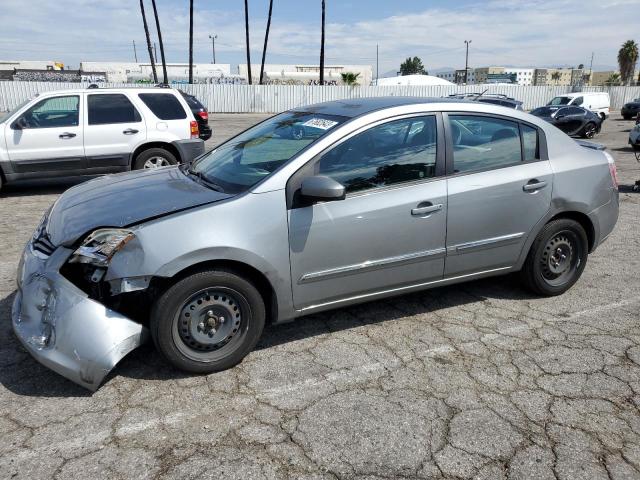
{"x":482,"y":74}
{"x":563,"y":76}
{"x":601,"y":78}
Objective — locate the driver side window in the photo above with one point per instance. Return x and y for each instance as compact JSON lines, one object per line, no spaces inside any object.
{"x":53,"y":112}
{"x":395,"y":152}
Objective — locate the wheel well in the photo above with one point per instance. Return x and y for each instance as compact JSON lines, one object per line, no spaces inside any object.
{"x":247,"y":271}
{"x":163,"y":145}
{"x":583,"y":220}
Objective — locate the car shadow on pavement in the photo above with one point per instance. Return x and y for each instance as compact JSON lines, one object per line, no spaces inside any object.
{"x":24,"y":376}
{"x":40,"y":187}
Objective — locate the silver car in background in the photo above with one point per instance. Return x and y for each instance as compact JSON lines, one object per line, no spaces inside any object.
{"x":316,"y":208}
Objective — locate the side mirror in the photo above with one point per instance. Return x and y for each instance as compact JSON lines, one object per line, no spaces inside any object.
{"x":20,"y":123}
{"x":322,"y":188}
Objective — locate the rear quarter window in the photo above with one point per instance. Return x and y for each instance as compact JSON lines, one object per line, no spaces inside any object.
{"x":165,"y":106}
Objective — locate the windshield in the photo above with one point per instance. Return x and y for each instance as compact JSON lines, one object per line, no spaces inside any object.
{"x":560,"y":101}
{"x":243,"y":161}
{"x":11,"y":112}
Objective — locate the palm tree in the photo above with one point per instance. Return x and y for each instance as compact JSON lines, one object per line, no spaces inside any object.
{"x":266,"y":39}
{"x":164,"y":63}
{"x":350,"y":78}
{"x":614,"y":79}
{"x":627,"y":58}
{"x":190,"y":41}
{"x":555,"y":76}
{"x":146,"y":32}
{"x":322,"y":47}
{"x":246,"y":30}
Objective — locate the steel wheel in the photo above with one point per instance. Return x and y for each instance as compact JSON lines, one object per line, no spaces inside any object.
{"x":210,"y":323}
{"x":156,"y":162}
{"x":560,"y":258}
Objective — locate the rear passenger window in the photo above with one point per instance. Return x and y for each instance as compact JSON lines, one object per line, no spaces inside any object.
{"x":111,"y":108}
{"x":165,"y":106}
{"x":481,"y":143}
{"x":531,"y":150}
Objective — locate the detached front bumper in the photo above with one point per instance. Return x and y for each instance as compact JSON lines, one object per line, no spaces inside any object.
{"x":63,"y":328}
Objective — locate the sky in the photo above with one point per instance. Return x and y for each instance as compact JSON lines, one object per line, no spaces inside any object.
{"x":502,"y":32}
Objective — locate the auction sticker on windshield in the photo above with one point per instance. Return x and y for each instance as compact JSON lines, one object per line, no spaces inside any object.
{"x":320,"y":123}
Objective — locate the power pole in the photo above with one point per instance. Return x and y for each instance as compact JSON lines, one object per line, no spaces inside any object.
{"x":155,"y":51}
{"x":246,"y":31}
{"x":190,"y":41}
{"x":322,"y":48}
{"x":377,"y":76}
{"x":148,"y":37}
{"x":213,"y":46}
{"x":135,"y":54}
{"x":466,"y":62}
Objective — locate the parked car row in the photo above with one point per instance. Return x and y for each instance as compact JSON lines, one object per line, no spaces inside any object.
{"x":96,"y":131}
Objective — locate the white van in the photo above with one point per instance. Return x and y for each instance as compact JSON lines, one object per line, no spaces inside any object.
{"x":597,"y":102}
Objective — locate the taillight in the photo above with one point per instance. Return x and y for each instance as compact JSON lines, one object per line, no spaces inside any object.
{"x":204,"y":115}
{"x":612,"y":169}
{"x":195,"y":132}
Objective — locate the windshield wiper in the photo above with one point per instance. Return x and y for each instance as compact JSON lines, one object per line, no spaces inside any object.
{"x":204,"y":180}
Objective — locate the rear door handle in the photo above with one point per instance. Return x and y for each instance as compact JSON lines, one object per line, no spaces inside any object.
{"x":130,"y":131}
{"x":67,"y":135}
{"x":425,"y":208}
{"x":534,"y":185}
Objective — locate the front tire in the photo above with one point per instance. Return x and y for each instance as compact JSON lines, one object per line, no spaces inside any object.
{"x":154,"y":158}
{"x":557,"y":258}
{"x":208,"y":321}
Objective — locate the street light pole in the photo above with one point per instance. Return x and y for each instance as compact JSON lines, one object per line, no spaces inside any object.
{"x":466,"y":62}
{"x":213,"y":46}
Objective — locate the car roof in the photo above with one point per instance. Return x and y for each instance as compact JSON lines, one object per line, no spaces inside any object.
{"x":355,"y":107}
{"x":75,"y":91}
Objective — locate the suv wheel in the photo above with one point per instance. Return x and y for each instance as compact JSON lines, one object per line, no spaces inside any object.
{"x":154,"y":158}
{"x":208,"y":321}
{"x":557,"y":258}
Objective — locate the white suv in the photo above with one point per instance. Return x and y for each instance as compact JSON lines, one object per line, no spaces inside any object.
{"x":96,"y":131}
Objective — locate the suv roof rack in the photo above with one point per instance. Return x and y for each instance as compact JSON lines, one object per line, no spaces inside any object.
{"x":162,"y":85}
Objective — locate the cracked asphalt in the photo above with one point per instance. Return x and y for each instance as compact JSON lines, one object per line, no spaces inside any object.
{"x":480,"y":380}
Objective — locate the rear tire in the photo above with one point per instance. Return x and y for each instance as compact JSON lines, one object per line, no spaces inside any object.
{"x":154,"y":158}
{"x":589,"y":130}
{"x":208,"y":321}
{"x":557,"y":258}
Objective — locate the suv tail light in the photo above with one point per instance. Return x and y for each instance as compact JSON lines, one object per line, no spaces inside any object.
{"x":612,"y":169}
{"x":204,"y":115}
{"x":195,"y":132}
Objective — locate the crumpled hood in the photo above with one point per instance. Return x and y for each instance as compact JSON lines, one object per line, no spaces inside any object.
{"x":124,"y":199}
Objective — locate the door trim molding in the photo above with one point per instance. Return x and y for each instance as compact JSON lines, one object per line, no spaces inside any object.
{"x":485,"y":243}
{"x":400,"y":290}
{"x":371,"y":265}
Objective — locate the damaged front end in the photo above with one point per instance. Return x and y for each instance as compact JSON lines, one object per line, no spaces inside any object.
{"x":65,"y":327}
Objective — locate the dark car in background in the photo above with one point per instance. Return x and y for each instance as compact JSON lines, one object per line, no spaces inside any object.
{"x":492,"y":98}
{"x":631,"y":109}
{"x":201,"y":114}
{"x":574,"y":121}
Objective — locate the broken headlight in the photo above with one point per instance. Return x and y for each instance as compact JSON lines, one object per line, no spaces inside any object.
{"x":101,"y":245}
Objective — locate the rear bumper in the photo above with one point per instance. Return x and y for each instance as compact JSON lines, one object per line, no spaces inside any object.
{"x":65,"y":330}
{"x":205,"y":131}
{"x":189,"y":149}
{"x":604,"y":218}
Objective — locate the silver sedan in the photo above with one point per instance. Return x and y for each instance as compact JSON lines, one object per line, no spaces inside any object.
{"x":316,"y":208}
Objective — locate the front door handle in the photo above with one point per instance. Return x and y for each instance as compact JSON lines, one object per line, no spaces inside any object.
{"x":533,"y":186}
{"x":67,"y":135}
{"x":130,"y":131}
{"x":425,"y":208}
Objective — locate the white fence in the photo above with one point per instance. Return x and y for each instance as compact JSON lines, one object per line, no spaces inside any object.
{"x":277,"y":98}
